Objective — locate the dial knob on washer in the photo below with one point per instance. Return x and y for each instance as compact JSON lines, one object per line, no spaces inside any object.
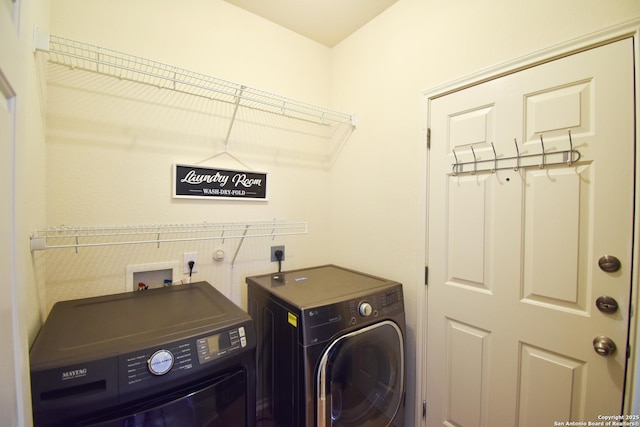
{"x":365,"y":309}
{"x":160,"y":362}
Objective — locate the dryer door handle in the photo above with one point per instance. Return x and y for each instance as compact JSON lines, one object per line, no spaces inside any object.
{"x":322,"y":411}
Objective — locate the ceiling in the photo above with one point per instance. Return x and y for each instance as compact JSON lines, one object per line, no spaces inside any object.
{"x":325,"y":21}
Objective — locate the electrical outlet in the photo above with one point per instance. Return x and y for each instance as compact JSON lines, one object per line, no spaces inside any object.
{"x":273,"y":253}
{"x":190,"y":256}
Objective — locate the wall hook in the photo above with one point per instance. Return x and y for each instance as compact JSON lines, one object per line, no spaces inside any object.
{"x":495,"y":159}
{"x":475,"y":161}
{"x":570,"y":162}
{"x":455,"y":166}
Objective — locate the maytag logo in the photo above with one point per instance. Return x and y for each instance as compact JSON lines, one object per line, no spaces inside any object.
{"x":69,"y":375}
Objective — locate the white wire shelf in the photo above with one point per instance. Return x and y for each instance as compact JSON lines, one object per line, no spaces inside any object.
{"x":65,"y":237}
{"x":87,"y":57}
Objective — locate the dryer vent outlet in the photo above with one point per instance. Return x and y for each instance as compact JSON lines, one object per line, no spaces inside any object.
{"x":277,"y":251}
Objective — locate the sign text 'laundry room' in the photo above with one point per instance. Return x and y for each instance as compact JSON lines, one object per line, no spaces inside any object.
{"x":202,"y":182}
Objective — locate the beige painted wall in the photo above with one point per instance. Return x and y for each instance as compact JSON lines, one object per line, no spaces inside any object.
{"x":365,"y":212}
{"x":211,"y":37}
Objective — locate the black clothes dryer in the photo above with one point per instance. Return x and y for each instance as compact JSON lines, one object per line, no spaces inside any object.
{"x":182,"y":356}
{"x":330,"y":349}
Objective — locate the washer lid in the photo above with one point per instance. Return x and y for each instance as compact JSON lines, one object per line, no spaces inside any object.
{"x":99,"y":327}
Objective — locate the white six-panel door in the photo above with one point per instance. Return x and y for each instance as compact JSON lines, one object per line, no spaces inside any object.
{"x":513,"y":253}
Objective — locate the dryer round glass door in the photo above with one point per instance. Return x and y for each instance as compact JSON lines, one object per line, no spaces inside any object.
{"x":360,"y":379}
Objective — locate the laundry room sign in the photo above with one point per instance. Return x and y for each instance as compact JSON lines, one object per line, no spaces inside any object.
{"x":198,"y":182}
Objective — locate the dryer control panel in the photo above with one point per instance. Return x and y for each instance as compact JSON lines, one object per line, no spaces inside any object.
{"x":323,"y":322}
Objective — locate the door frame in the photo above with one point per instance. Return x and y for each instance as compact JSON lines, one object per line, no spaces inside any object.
{"x":599,"y":38}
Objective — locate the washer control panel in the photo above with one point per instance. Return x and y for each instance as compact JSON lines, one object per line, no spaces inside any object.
{"x":215,"y":346}
{"x":321,"y":323}
{"x":180,"y":358}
